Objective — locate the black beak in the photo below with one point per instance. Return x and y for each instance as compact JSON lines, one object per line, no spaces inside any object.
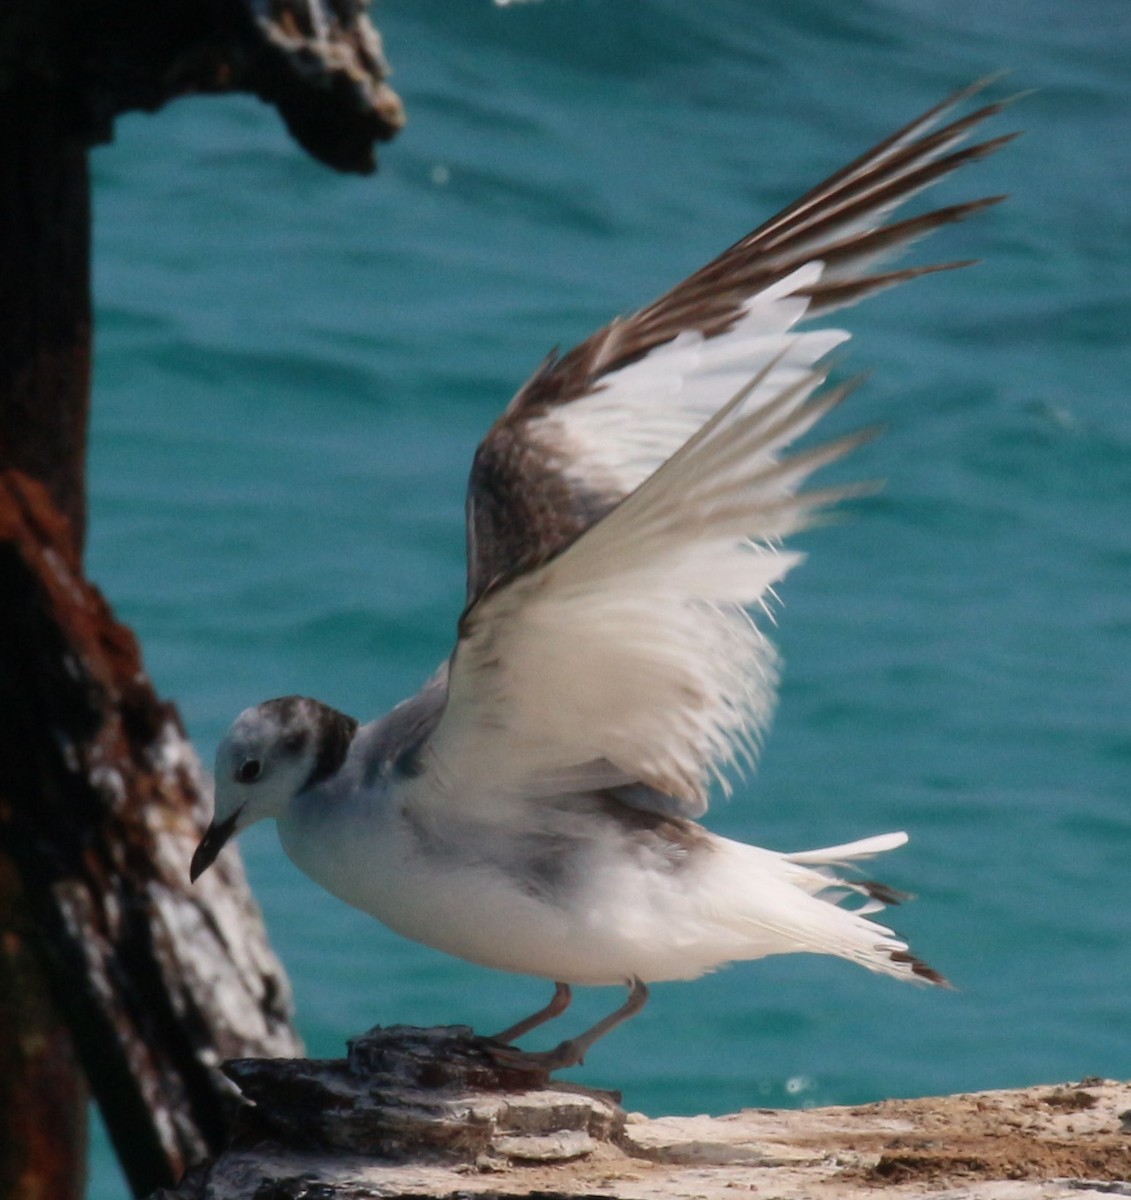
{"x":211,"y":844}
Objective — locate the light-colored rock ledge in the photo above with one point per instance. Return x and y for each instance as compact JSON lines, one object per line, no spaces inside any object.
{"x":427,"y":1113}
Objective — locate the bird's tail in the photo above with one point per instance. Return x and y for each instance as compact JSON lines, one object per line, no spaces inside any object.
{"x":809,"y":902}
{"x":849,"y":932}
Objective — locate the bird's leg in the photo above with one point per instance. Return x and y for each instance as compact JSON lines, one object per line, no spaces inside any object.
{"x":558,"y":1004}
{"x":572,"y":1052}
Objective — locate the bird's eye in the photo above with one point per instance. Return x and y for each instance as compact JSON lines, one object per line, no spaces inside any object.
{"x":249,"y":770}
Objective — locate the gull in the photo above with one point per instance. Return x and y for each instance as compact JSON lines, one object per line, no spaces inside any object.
{"x":535,"y":806}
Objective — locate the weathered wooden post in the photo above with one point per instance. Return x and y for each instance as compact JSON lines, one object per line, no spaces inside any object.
{"x":112,"y":974}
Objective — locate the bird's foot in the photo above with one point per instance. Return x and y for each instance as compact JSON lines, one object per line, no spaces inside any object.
{"x":567,"y":1054}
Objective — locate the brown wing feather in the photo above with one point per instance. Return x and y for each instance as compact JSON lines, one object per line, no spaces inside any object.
{"x":521,"y":508}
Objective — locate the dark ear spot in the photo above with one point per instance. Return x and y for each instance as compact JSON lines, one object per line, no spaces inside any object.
{"x":295,"y":743}
{"x":335,"y":732}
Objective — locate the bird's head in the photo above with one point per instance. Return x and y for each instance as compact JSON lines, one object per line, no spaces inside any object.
{"x":272,"y":752}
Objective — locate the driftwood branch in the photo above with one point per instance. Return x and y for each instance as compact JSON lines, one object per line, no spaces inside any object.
{"x":423,"y":1113}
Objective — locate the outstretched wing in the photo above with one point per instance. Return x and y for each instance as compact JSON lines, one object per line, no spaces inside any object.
{"x":630,"y":656}
{"x":593,"y":424}
{"x":629,"y":507}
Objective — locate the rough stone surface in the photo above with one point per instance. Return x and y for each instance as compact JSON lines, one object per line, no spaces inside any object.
{"x":427,"y":1113}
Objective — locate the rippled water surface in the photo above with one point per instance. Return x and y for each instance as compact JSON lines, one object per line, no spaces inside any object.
{"x":294,"y":368}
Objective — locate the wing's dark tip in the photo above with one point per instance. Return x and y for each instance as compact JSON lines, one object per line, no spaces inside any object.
{"x":884,"y":894}
{"x":920,"y":969}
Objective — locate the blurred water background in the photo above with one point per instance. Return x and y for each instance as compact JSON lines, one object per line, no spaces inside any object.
{"x":294,"y":367}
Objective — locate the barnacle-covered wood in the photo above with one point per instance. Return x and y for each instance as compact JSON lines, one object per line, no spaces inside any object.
{"x":101,"y":805}
{"x":320,"y":62}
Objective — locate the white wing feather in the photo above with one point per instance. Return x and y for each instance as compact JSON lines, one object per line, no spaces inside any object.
{"x":634,"y":646}
{"x":615,"y":437}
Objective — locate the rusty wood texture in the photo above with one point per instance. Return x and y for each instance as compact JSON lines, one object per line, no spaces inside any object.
{"x":45,"y":323}
{"x":44,"y":299}
{"x":106,"y":959}
{"x":100,"y":807}
{"x":43,"y":1098}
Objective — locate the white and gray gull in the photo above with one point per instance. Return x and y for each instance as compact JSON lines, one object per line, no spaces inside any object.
{"x":534,"y":807}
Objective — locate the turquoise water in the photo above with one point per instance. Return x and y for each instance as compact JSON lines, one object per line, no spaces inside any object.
{"x":294,"y":368}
